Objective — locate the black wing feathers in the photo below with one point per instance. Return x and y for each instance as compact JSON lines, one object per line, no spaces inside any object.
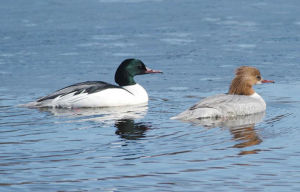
{"x":88,"y":87}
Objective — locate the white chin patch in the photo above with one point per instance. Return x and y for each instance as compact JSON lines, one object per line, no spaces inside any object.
{"x":258,"y":82}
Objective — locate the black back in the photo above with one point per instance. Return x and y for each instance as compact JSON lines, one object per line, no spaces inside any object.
{"x":88,"y":87}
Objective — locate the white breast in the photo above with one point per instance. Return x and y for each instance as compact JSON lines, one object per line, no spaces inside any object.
{"x":139,"y":93}
{"x":257,"y":96}
{"x":224,"y":105}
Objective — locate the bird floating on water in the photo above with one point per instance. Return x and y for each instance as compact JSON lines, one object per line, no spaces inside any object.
{"x":102,"y":94}
{"x":240,"y":100}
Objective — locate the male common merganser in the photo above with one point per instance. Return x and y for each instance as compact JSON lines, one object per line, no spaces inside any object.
{"x":102,"y":94}
{"x":240,"y":100}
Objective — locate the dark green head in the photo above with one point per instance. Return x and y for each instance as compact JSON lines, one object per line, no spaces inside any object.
{"x":128,"y":69}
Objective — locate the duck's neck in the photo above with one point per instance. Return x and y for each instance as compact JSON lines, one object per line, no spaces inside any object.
{"x":240,"y":86}
{"x":123,"y":78}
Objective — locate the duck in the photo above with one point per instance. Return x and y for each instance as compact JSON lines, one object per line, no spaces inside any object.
{"x":240,"y":100}
{"x":101,"y":94}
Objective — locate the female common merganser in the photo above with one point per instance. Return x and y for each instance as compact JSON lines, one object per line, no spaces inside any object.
{"x":240,"y":100}
{"x":102,"y":94}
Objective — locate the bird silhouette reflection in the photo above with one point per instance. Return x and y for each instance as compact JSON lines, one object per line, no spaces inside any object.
{"x":123,"y":118}
{"x":130,"y":130}
{"x":242,"y":129}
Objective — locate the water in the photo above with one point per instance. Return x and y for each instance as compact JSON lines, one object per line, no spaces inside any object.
{"x":46,"y":45}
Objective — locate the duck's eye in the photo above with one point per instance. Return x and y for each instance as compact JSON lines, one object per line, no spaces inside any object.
{"x":258,"y":77}
{"x":142,"y":67}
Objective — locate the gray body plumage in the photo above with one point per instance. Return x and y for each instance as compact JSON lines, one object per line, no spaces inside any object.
{"x":224,"y":105}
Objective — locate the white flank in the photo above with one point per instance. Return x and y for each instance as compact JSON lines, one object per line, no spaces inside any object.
{"x":112,"y":97}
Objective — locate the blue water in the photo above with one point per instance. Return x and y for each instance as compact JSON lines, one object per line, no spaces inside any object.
{"x":46,"y":45}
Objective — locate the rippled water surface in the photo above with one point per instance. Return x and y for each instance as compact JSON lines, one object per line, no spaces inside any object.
{"x":46,"y":45}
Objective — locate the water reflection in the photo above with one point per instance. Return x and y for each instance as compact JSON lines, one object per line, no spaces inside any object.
{"x":123,"y":118}
{"x":130,"y":130}
{"x":103,"y":115}
{"x":242,"y":129}
{"x":246,"y":136}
